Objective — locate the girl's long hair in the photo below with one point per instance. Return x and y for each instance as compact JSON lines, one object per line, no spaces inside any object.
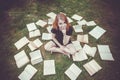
{"x":63,"y":17}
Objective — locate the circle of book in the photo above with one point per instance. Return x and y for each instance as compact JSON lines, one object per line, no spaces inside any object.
{"x":73,"y":71}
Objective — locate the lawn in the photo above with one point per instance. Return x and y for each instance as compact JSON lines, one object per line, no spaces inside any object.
{"x":33,"y":10}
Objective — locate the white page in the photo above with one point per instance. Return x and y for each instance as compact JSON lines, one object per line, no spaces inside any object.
{"x":104,"y":48}
{"x":46,"y":36}
{"x":73,"y":72}
{"x":105,"y":52}
{"x":92,"y":67}
{"x":78,"y":28}
{"x":77,"y":17}
{"x":49,"y":28}
{"x":31,"y":26}
{"x":51,"y":15}
{"x":96,"y":67}
{"x":69,"y":20}
{"x":89,"y":50}
{"x":36,"y":57}
{"x":41,"y":23}
{"x":21,"y":42}
{"x":77,"y":45}
{"x":91,"y":23}
{"x":28,"y":73}
{"x":82,"y":22}
{"x":49,"y":67}
{"x":24,"y":76}
{"x":50,"y":21}
{"x":30,"y":70}
{"x":34,"y":44}
{"x":97,"y":32}
{"x":21,"y":59}
{"x":80,"y":56}
{"x":34,"y":33}
{"x":82,"y":38}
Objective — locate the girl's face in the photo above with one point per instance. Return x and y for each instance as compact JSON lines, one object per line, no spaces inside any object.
{"x":62,"y":24}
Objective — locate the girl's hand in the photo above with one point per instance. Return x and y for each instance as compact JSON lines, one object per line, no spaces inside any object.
{"x":64,"y":31}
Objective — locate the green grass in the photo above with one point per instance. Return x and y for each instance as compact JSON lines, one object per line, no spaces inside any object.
{"x":37,"y":10}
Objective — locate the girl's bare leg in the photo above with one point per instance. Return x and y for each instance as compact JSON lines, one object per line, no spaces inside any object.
{"x":71,"y":48}
{"x":51,"y":46}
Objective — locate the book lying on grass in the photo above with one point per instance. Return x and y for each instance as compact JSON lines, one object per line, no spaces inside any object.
{"x":46,"y":36}
{"x":78,"y":28}
{"x":77,"y":45}
{"x":91,"y":23}
{"x":89,"y":50}
{"x":21,"y":42}
{"x":28,"y":73}
{"x":49,"y":67}
{"x":50,"y":21}
{"x":21,"y":59}
{"x":36,"y":57}
{"x":83,"y":38}
{"x":82,"y":22}
{"x":51,"y":15}
{"x":73,"y":72}
{"x":92,"y":67}
{"x":34,"y":44}
{"x":97,"y":32}
{"x":31,"y":26}
{"x":77,"y":17}
{"x":49,"y":28}
{"x":80,"y":56}
{"x":34,"y":33}
{"x":105,"y":53}
{"x":41,"y":23}
{"x":69,"y":20}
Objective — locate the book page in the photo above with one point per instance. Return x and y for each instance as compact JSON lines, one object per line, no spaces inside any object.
{"x":41,"y":23}
{"x":97,"y":32}
{"x":77,"y":17}
{"x":31,"y":26}
{"x":21,"y":42}
{"x":49,"y":67}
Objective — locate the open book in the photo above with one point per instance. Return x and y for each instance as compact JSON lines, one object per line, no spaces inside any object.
{"x":31,"y":26}
{"x":105,"y":53}
{"x":21,"y":59}
{"x":77,"y":45}
{"x":90,"y":50}
{"x":50,"y":21}
{"x":92,"y":67}
{"x":34,"y":44}
{"x":41,"y":23}
{"x":97,"y":32}
{"x":28,"y":73}
{"x":77,"y":17}
{"x":46,"y":36}
{"x":69,"y":20}
{"x":91,"y":23}
{"x":80,"y":56}
{"x":73,"y":72}
{"x":51,"y":15}
{"x":49,"y":67}
{"x":34,"y":33}
{"x":21,"y":42}
{"x":36,"y":57}
{"x":82,"y":22}
{"x":78,"y":28}
{"x":83,"y":38}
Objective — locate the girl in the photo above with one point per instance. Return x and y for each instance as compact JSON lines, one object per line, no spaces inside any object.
{"x":61,"y":36}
